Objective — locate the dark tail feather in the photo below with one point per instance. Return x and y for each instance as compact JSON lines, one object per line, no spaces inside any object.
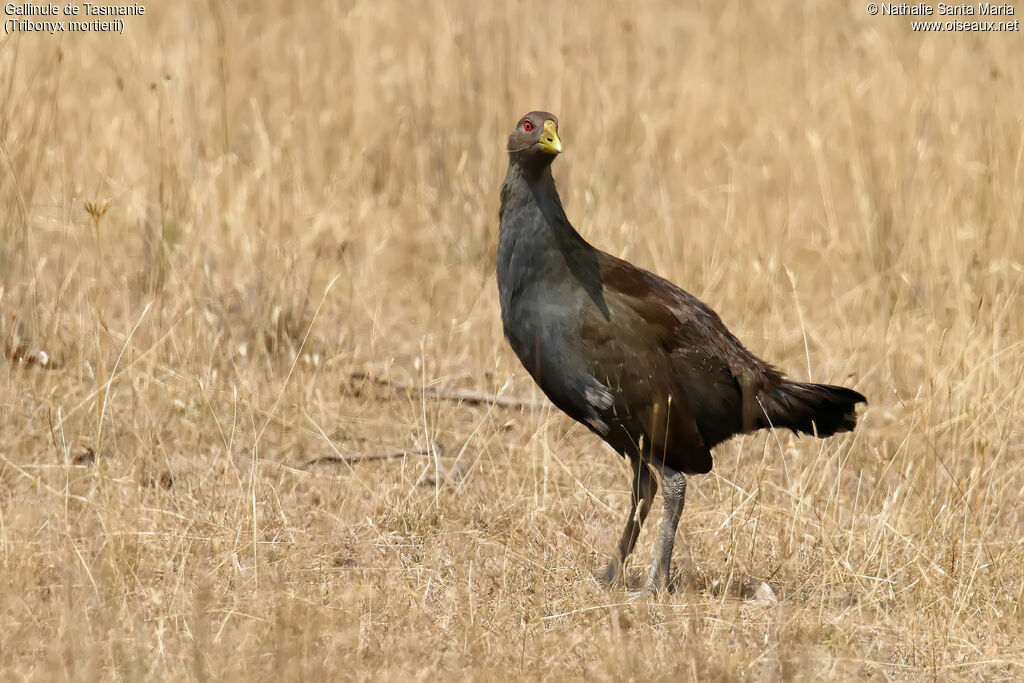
{"x":824,"y":409}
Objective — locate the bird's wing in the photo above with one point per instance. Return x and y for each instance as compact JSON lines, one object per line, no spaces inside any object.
{"x":721,"y":378}
{"x":685,"y":319}
{"x":629,"y":342}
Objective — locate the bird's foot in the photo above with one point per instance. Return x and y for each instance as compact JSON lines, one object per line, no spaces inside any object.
{"x":649,"y":592}
{"x":659,"y":588}
{"x":659,"y":580}
{"x":642,"y":594}
{"x":615,"y":574}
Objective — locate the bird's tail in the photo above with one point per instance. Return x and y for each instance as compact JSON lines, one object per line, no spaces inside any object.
{"x":820,"y":409}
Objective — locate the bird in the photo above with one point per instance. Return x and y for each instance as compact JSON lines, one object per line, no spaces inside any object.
{"x":643,"y":364}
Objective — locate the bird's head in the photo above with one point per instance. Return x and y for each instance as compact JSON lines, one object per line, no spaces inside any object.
{"x":535,"y":140}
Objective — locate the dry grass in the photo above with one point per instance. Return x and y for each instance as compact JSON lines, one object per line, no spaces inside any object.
{"x":297,"y":195}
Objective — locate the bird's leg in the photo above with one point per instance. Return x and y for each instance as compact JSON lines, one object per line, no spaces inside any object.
{"x":644,"y":488}
{"x":673,"y":488}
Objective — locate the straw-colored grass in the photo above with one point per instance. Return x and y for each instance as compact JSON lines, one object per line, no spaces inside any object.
{"x":301,"y":194}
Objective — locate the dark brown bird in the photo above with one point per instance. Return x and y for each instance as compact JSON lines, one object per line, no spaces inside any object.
{"x":644,"y":365}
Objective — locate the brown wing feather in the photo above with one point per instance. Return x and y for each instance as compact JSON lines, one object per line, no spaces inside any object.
{"x":632,"y":349}
{"x":699,"y":360}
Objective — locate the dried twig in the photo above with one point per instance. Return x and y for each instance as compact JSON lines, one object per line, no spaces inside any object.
{"x":464,"y":395}
{"x":380,"y":455}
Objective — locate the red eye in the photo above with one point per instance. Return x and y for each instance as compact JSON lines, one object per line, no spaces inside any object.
{"x":527,"y":126}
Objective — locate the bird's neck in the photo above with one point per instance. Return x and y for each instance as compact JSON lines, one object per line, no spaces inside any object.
{"x":536,"y":242}
{"x":529,"y":192}
{"x":540,"y":254}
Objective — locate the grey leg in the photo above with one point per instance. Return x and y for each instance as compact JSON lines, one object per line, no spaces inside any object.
{"x":644,"y":488}
{"x":674,"y":492}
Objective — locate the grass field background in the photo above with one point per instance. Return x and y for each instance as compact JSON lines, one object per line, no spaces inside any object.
{"x":300,"y":196}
